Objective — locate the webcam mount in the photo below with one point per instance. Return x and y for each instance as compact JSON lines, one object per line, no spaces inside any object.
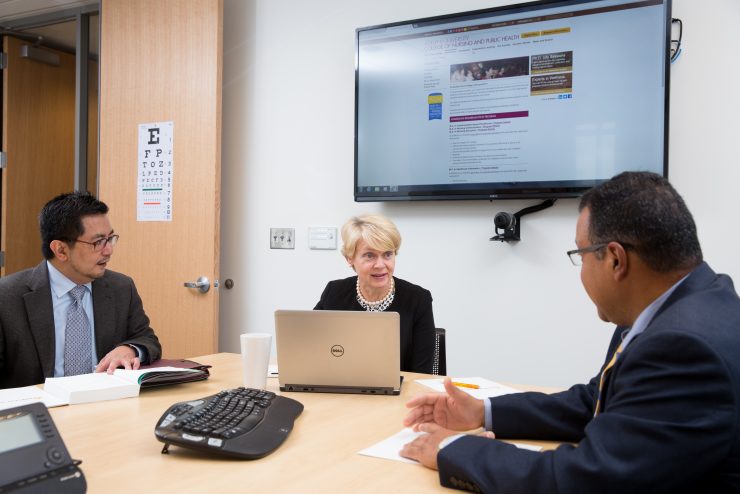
{"x":507,"y":225}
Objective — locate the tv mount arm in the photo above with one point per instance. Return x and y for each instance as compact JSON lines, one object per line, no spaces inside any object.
{"x":507,"y":224}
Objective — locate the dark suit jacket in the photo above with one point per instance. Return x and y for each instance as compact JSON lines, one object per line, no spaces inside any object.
{"x":27,"y":341}
{"x":670,"y":419}
{"x":414,"y":306}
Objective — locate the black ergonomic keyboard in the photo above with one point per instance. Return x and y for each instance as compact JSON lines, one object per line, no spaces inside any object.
{"x":243,"y":422}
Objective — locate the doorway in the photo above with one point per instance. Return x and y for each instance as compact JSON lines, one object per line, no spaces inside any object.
{"x":49,"y":122}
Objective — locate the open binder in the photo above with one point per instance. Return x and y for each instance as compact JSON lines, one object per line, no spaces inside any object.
{"x":154,"y":378}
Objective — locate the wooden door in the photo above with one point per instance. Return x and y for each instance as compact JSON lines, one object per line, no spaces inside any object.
{"x":38,"y":137}
{"x":159,"y":62}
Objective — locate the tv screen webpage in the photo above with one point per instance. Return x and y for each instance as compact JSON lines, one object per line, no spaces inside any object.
{"x":530,"y":100}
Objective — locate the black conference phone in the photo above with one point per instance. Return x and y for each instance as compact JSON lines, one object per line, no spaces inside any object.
{"x":33,"y":458}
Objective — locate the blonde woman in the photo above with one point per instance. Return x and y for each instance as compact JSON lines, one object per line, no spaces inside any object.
{"x":370,"y":246}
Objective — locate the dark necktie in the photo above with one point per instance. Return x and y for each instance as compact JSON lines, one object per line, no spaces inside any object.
{"x":77,"y":337}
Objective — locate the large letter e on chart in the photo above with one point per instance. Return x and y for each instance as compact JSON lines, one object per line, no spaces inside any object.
{"x":154,"y":135}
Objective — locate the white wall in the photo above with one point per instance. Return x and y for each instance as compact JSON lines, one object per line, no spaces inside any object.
{"x":513,"y":313}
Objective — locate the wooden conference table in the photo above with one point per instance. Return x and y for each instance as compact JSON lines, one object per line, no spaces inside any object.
{"x":115,"y":441}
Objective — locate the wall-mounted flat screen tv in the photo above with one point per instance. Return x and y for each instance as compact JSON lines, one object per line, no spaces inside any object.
{"x":536,"y":100}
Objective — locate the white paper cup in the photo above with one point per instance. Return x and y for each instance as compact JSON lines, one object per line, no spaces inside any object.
{"x":255,"y":358}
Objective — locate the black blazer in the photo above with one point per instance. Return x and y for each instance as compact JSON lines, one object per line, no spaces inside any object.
{"x":27,"y":341}
{"x":412,"y":302}
{"x":670,"y":420}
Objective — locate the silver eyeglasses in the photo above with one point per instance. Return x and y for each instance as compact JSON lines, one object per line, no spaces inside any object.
{"x":576,"y":255}
{"x":100,"y":243}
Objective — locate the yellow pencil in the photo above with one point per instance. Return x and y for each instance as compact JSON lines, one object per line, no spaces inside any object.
{"x":465,"y":385}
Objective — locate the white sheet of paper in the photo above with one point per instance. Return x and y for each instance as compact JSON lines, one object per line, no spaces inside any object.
{"x":487,"y":389}
{"x":388,"y":448}
{"x":15,"y":397}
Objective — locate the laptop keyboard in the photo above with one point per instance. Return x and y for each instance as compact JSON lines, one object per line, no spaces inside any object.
{"x":242,"y":422}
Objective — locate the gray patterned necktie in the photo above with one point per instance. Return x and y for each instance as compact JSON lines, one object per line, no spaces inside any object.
{"x":77,"y":337}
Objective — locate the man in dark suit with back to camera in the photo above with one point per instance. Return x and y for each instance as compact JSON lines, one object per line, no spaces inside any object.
{"x":662,"y":414}
{"x":70,"y":315}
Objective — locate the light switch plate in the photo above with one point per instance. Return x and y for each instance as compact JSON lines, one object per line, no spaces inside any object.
{"x":322,"y":237}
{"x":282,"y":238}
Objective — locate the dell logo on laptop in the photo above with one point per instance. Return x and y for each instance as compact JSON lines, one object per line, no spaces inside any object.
{"x":337,"y":350}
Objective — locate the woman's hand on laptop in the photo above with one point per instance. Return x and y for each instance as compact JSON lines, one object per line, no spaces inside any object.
{"x":455,"y":410}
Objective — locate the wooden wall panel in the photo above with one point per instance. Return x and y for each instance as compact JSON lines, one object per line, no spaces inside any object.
{"x":38,"y":135}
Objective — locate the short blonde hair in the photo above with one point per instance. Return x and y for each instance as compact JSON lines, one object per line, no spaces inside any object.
{"x":376,"y":230}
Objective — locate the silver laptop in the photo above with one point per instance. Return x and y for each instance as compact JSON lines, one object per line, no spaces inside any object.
{"x":330,"y":351}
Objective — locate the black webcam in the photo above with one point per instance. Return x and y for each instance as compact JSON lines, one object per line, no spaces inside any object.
{"x":507,"y":224}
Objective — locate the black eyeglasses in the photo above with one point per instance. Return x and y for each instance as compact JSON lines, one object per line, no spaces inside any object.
{"x":576,"y":256}
{"x":100,"y":243}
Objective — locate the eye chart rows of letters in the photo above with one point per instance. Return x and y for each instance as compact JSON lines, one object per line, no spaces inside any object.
{"x":154,"y":185}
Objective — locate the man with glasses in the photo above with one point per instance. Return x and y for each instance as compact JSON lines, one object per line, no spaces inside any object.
{"x":70,"y":314}
{"x":662,"y":414}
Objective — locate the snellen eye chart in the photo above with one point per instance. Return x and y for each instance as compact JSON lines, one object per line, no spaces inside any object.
{"x":154,"y":185}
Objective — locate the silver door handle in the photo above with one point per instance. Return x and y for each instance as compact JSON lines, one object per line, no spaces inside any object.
{"x":203,"y":284}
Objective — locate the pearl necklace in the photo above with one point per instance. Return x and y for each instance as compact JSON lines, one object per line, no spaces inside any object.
{"x":380,"y":305}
